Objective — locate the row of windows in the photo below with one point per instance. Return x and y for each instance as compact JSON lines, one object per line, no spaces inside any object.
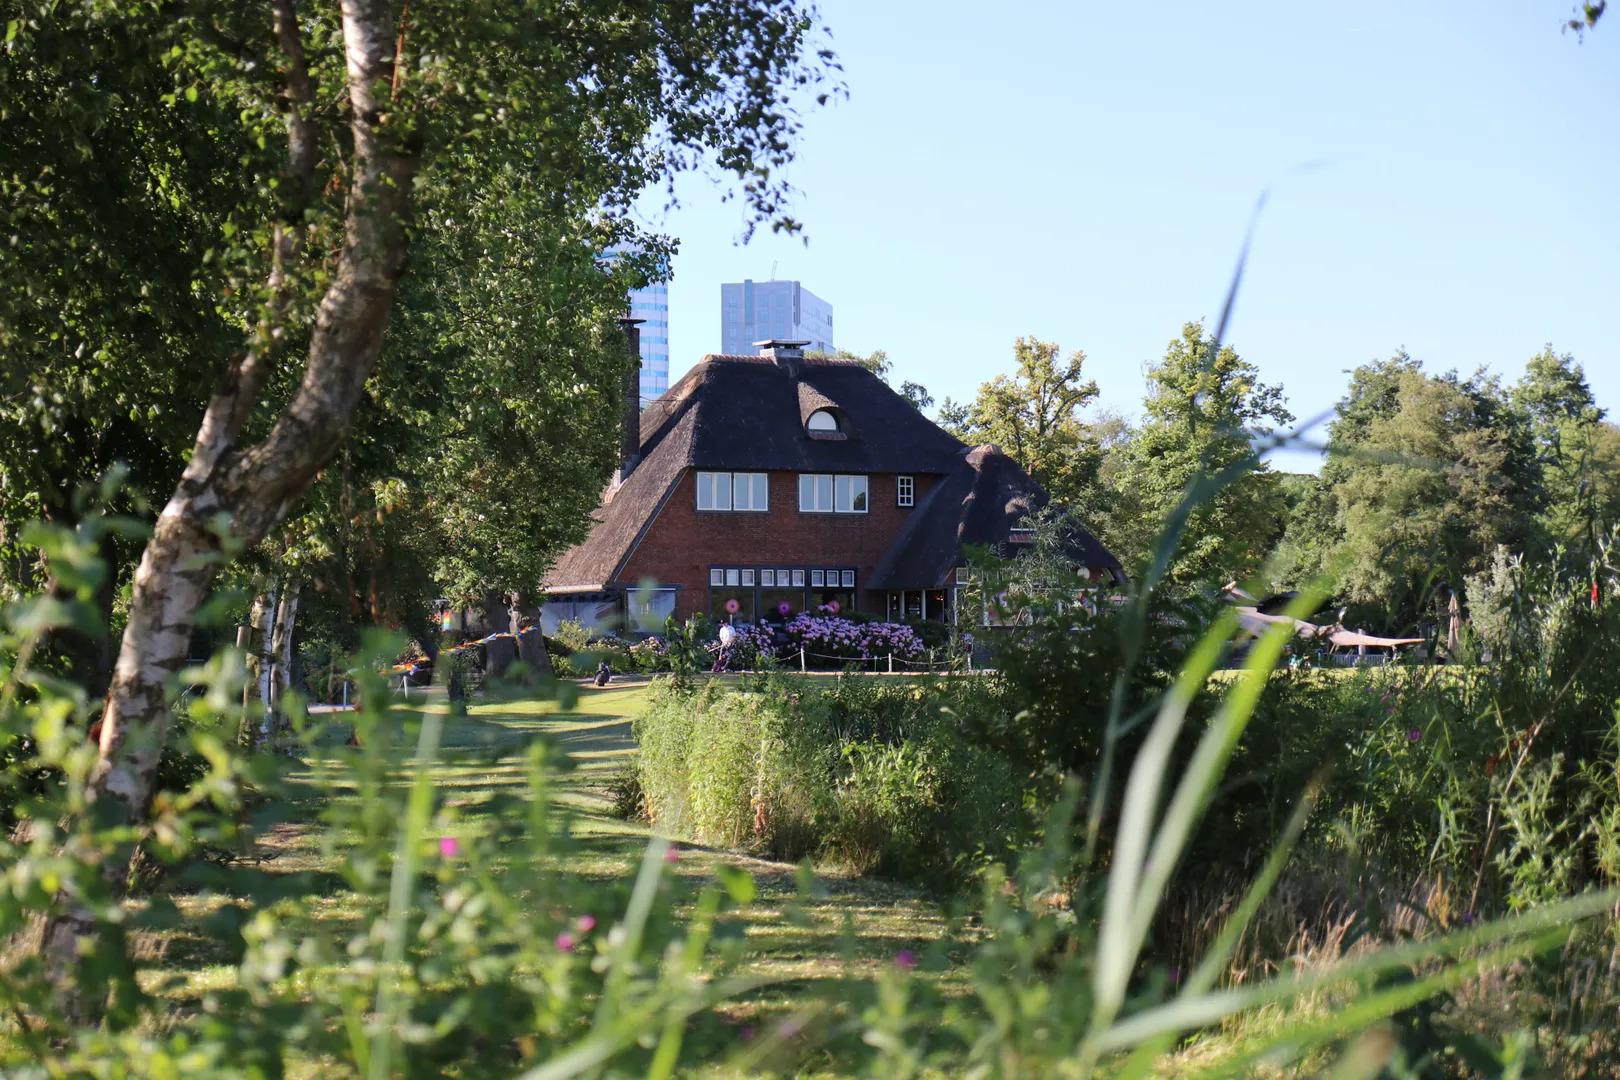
{"x":819,"y":493}
{"x":746,"y":577}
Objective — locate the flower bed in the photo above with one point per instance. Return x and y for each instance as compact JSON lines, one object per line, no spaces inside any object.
{"x":833,"y":637}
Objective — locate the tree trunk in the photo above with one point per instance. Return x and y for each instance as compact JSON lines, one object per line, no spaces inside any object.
{"x":245,"y":641}
{"x":265,"y":669}
{"x":282,"y":651}
{"x":251,"y":488}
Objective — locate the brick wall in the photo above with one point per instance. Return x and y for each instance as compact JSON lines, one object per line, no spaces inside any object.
{"x":684,"y":542}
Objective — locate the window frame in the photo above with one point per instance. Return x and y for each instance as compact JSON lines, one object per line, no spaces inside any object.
{"x":706,"y":484}
{"x":857,"y":486}
{"x":905,"y":491}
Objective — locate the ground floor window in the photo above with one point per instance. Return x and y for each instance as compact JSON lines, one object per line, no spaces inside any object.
{"x":647,"y":609}
{"x":777,"y":593}
{"x":914,"y":605}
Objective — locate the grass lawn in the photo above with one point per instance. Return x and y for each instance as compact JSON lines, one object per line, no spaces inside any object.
{"x":484,"y":752}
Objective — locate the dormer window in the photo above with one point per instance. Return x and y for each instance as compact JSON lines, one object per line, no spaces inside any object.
{"x":822,"y":422}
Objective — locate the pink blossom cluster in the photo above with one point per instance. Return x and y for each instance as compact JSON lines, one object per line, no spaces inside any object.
{"x":833,"y":636}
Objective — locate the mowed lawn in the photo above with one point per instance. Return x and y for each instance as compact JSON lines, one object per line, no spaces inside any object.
{"x":858,"y":925}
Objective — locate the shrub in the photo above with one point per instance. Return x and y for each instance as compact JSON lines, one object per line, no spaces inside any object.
{"x":874,"y":777}
{"x":833,"y":637}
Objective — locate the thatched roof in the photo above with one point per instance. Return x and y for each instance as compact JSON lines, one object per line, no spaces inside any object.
{"x":980,"y":502}
{"x":748,"y":413}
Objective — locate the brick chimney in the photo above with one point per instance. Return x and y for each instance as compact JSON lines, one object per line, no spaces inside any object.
{"x":789,"y":355}
{"x":630,"y":435}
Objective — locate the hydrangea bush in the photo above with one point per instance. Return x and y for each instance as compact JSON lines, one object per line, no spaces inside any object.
{"x":840,"y":638}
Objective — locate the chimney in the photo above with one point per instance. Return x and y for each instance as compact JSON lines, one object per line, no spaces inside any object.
{"x":630,"y":436}
{"x":789,"y":355}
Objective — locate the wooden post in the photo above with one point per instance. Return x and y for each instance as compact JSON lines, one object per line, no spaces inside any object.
{"x":891,"y":663}
{"x":802,"y":668}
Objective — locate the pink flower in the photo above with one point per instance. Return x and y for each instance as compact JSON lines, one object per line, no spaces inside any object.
{"x":449,"y":847}
{"x":585,"y":923}
{"x":732,"y":606}
{"x":565,"y":942}
{"x":672,"y":855}
{"x":905,"y":960}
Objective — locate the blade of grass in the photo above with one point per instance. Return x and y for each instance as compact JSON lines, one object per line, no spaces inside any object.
{"x":1116,"y":954}
{"x":1379,"y":1005}
{"x":1209,"y":968}
{"x":418,"y":812}
{"x":1187,"y":1014}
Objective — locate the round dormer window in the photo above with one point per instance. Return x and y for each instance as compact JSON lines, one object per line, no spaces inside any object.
{"x":822,"y":421}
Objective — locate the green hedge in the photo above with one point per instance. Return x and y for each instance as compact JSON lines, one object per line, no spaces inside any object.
{"x":866,"y":776}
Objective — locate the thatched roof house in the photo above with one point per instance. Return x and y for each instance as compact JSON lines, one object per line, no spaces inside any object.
{"x":771,"y":484}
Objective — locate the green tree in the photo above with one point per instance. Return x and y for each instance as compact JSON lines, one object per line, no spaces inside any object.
{"x":1425,"y":492}
{"x":1578,"y":488}
{"x":1204,"y":411}
{"x":1034,"y":415}
{"x":360,"y":112}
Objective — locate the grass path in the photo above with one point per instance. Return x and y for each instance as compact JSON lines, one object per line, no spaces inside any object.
{"x":884,"y":918}
{"x":484,"y":752}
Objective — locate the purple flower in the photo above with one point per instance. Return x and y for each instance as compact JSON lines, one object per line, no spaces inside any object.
{"x":784,"y":609}
{"x":905,"y":960}
{"x":566,"y":942}
{"x":449,"y":847}
{"x":1414,"y":735}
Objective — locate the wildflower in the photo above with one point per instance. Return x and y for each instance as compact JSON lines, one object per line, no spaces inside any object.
{"x":905,"y":960}
{"x":672,"y":854}
{"x":1414,"y":735}
{"x":566,"y":942}
{"x":746,"y":1033}
{"x":449,"y":847}
{"x":585,"y":923}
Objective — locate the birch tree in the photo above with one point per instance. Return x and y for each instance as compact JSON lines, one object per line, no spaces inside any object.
{"x":597,"y":101}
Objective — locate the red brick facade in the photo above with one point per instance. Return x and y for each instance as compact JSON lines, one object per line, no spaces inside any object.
{"x":683,"y":543}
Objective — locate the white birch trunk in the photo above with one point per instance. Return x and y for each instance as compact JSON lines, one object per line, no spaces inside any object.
{"x":252,"y":486}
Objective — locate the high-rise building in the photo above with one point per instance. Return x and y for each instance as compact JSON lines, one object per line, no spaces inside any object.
{"x":753,"y":311}
{"x":651,"y":306}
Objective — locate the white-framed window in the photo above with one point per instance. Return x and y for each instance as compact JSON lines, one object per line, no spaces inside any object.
{"x":798,"y":579}
{"x":849,"y":579}
{"x":827,"y":493}
{"x":767,"y":579}
{"x":748,"y":578}
{"x":717,"y":576}
{"x":962,"y":575}
{"x":714,"y":491}
{"x":818,"y":579}
{"x":750,"y":491}
{"x":822,"y":421}
{"x":733,"y":491}
{"x":905,"y":491}
{"x":732,"y":577}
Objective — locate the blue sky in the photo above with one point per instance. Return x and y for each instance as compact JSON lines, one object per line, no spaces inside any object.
{"x":1443,"y":178}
